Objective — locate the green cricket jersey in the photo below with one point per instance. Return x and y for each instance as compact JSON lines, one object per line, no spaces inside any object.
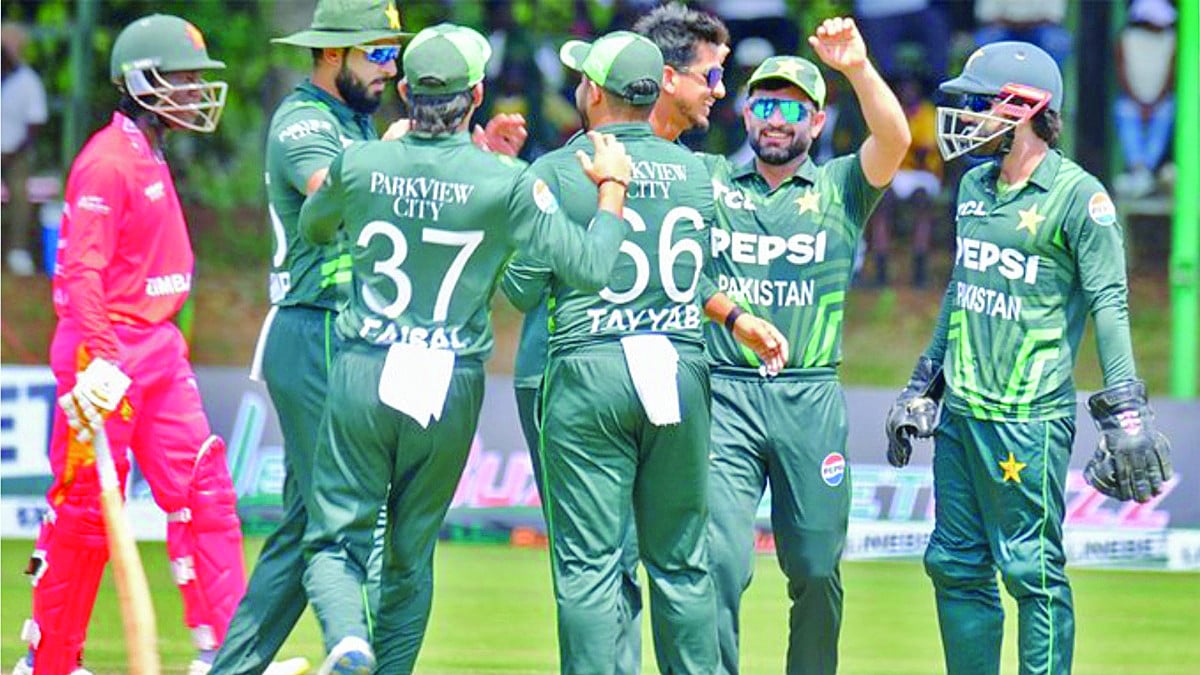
{"x":1031,"y":263}
{"x":308,"y":130}
{"x":652,"y":288}
{"x":787,"y":254}
{"x":430,"y":222}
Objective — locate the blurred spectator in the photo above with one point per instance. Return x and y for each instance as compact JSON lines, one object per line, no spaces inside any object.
{"x":766,"y":19}
{"x":1145,"y":108}
{"x":22,"y":111}
{"x":915,"y":187}
{"x":888,"y":23}
{"x":1036,"y":21}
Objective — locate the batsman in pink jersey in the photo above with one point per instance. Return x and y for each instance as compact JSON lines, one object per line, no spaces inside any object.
{"x":124,"y":269}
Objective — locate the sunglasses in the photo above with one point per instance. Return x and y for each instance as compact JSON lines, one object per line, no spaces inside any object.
{"x":978,"y":102}
{"x":380,"y":54}
{"x":792,"y":111}
{"x":711,"y":77}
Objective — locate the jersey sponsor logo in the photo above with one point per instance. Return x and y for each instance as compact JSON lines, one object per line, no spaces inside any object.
{"x":731,"y":198}
{"x":747,"y":248}
{"x":971,"y":208}
{"x":767,"y":292}
{"x":544,"y":198}
{"x":833,"y":469}
{"x":1101,"y":209}
{"x":302,"y":128}
{"x":168,"y":284}
{"x":93,"y":203}
{"x":652,"y":180}
{"x":982,"y":256}
{"x":419,"y":197}
{"x":155,"y":192}
{"x":987,"y":301}
{"x":651,"y":319}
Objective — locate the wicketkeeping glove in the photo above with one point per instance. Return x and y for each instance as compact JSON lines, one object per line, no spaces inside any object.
{"x":98,"y":390}
{"x":914,"y":414}
{"x":1132,"y":459}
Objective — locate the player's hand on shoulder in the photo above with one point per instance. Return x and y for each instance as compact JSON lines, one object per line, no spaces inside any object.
{"x":98,"y":390}
{"x":505,"y":133}
{"x":397,"y":129}
{"x":1132,"y":459}
{"x":610,"y":161}
{"x":839,"y":44}
{"x":914,"y":414}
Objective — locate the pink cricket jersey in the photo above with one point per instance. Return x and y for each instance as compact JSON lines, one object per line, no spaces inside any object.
{"x":124,"y":256}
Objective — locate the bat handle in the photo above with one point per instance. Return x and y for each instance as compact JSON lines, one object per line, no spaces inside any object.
{"x":104,"y":460}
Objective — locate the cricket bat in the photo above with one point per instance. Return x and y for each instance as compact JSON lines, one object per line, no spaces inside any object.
{"x":137,"y":612}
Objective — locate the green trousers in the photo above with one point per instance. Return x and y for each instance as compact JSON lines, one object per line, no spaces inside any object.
{"x":629,"y":638}
{"x":370,"y":456}
{"x":604,"y":464}
{"x":789,"y":432}
{"x":299,"y":348}
{"x":998,"y":488}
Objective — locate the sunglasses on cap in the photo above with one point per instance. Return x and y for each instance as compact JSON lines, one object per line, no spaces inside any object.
{"x":380,"y":54}
{"x":791,"y":110}
{"x":711,"y":77}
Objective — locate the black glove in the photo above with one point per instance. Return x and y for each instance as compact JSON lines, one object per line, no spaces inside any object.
{"x":1132,"y":459}
{"x":914,"y":414}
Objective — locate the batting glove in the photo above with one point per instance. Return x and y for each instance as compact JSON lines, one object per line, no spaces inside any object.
{"x":98,"y":390}
{"x":914,"y":414}
{"x":1132,"y":459}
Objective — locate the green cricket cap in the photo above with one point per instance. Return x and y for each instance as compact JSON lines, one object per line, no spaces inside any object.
{"x":615,"y":61}
{"x":795,"y":70}
{"x":346,"y":23}
{"x":445,"y":59}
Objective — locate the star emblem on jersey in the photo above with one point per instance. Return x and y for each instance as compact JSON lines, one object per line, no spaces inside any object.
{"x":809,"y":201}
{"x":1012,"y":468}
{"x":1030,"y":219}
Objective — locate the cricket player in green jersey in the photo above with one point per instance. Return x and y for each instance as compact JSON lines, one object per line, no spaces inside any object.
{"x":783,"y":249}
{"x":355,"y":44}
{"x":1039,"y":249}
{"x":431,"y":220}
{"x":625,"y":412}
{"x":693,"y":44}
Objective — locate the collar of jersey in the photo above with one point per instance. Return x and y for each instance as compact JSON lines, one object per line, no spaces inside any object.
{"x":626,"y":129}
{"x":343,"y":111}
{"x":456,"y":138}
{"x":137,"y":139}
{"x":806,"y":172}
{"x":1042,"y":176}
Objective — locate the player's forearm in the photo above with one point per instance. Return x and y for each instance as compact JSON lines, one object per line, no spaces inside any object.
{"x":1113,"y":343}
{"x":85,"y":290}
{"x":936,"y":351}
{"x":612,"y":198}
{"x":718,"y":306}
{"x":581,"y":257}
{"x":319,"y":218}
{"x":889,"y":133}
{"x":524,"y":283}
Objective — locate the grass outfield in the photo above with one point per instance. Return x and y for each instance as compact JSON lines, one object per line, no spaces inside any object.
{"x":493,"y":613}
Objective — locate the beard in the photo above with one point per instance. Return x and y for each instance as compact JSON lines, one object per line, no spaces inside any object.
{"x":355,"y":93}
{"x":778,"y":156}
{"x":582,"y":110}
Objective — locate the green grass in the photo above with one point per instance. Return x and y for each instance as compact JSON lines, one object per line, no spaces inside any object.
{"x":493,"y":613}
